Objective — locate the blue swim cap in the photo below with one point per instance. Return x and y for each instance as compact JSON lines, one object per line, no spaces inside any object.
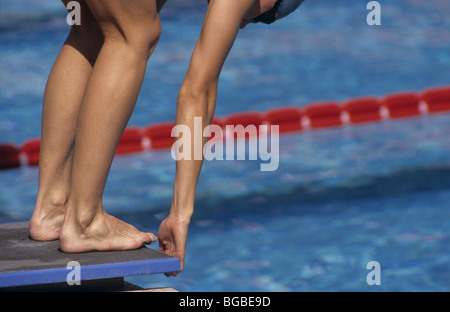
{"x":282,"y":8}
{"x":287,"y":7}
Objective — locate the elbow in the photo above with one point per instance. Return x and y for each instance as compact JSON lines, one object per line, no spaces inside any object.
{"x":196,"y":98}
{"x":192,"y":95}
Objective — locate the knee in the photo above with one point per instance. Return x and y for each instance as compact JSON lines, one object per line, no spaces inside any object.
{"x":197,"y":95}
{"x":197,"y":86}
{"x":148,"y":36}
{"x":141,"y":36}
{"x":191,"y":92}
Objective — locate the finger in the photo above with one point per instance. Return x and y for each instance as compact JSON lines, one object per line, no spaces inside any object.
{"x":174,"y":274}
{"x":164,"y":246}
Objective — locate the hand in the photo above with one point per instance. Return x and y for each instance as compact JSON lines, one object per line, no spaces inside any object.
{"x":172,"y":237}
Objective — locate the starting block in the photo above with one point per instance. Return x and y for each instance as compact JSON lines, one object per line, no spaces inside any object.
{"x":26,"y":264}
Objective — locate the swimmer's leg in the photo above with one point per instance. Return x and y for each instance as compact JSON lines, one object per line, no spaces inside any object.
{"x":131,"y":30}
{"x":62,"y":99}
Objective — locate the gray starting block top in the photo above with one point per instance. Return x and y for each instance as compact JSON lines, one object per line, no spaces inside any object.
{"x":24,"y":261}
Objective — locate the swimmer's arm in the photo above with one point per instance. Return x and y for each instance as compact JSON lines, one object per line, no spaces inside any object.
{"x":197,"y":96}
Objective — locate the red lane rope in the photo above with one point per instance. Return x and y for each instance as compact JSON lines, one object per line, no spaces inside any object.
{"x":290,"y":119}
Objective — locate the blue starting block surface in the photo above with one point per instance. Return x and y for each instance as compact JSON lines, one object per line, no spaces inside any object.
{"x":25,"y":262}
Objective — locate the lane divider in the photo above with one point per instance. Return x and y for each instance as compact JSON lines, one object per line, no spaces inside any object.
{"x":290,"y":119}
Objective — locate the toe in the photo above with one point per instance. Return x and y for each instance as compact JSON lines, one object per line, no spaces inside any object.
{"x":148,"y":238}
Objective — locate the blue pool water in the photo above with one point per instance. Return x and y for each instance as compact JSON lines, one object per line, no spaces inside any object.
{"x":340,"y":197}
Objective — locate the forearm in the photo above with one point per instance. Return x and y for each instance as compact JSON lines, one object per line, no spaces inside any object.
{"x":192,"y":107}
{"x":197,"y":96}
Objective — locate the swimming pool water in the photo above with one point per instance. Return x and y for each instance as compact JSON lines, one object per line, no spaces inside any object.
{"x":340,"y":197}
{"x":352,"y":198}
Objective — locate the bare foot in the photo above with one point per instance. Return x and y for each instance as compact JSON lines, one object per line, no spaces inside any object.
{"x":45,"y":224}
{"x":105,"y":233}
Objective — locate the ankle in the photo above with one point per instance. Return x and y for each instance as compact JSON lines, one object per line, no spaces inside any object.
{"x":51,"y":200}
{"x":82,"y":216}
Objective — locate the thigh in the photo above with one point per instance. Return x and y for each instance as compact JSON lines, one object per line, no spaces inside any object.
{"x":134,"y":21}
{"x":123,"y":12}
